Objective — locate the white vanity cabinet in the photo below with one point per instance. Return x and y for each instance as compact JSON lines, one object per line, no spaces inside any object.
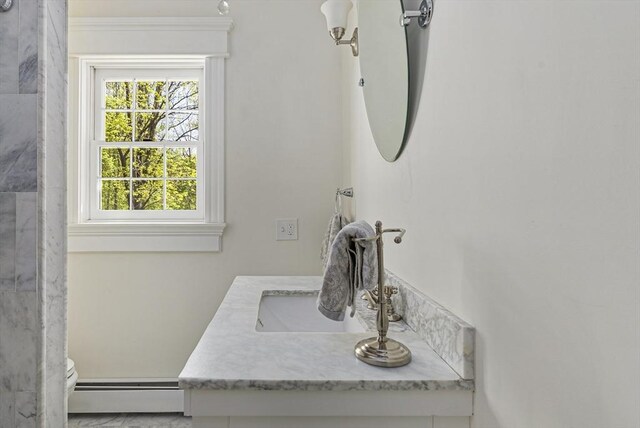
{"x":329,"y":409}
{"x":243,"y":375}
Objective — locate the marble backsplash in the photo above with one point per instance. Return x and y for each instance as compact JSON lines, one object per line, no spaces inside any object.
{"x":448,"y":335}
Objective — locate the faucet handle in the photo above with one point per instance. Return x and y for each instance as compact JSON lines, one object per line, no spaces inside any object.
{"x":372,"y":298}
{"x":373,"y":292}
{"x":389,"y":290}
{"x":374,"y":301}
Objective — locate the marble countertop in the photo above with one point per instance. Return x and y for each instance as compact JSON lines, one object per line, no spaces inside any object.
{"x":232,"y":355}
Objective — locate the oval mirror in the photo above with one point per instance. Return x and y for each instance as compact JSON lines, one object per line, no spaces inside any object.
{"x":384,"y":65}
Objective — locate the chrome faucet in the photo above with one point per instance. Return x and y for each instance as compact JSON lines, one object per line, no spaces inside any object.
{"x":374,"y":300}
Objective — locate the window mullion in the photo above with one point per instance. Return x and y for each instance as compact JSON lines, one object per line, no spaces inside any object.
{"x":134,"y":107}
{"x":164,"y":176}
{"x":130,"y":178}
{"x":164,"y":150}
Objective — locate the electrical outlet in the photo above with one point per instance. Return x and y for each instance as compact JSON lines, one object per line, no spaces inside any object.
{"x":287,"y":229}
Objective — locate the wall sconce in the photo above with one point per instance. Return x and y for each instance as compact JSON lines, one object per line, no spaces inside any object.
{"x":5,"y":5}
{"x":336,"y":12}
{"x":424,"y":14}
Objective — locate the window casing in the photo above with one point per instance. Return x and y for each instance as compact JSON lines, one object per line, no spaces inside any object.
{"x":146,"y":43}
{"x":94,"y":229}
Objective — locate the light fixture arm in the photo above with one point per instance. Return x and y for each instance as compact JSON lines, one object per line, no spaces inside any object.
{"x":424,"y":14}
{"x":5,"y":5}
{"x":353,"y":42}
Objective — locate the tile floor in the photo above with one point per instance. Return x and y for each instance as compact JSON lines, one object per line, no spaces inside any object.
{"x":123,"y":420}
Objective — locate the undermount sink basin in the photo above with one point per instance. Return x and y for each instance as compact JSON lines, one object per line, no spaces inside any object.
{"x":298,"y":312}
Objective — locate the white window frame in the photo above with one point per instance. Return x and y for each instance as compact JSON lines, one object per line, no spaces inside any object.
{"x":89,"y":52}
{"x":95,"y":118}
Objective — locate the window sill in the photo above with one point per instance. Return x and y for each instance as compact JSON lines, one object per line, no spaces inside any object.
{"x":145,"y":237}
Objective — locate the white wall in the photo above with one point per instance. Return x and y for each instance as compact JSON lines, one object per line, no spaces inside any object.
{"x":519,"y":192}
{"x":140,"y":315}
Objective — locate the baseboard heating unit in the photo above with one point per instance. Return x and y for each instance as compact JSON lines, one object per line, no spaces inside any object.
{"x":126,"y":396}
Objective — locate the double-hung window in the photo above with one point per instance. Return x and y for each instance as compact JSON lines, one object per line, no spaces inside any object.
{"x":146,"y":133}
{"x":149,"y":131}
{"x":149,"y":155}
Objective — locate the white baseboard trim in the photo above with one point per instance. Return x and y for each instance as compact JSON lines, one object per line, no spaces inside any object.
{"x":113,"y":399}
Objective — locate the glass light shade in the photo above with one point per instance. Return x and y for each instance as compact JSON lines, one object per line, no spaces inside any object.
{"x":336,"y":12}
{"x":223,"y":7}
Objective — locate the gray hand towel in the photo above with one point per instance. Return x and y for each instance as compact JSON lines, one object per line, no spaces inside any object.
{"x":336,"y":223}
{"x":352,"y":266}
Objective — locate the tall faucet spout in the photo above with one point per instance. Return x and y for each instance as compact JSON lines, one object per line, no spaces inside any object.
{"x":371,"y":298}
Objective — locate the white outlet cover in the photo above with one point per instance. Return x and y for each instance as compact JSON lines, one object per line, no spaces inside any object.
{"x":287,"y":229}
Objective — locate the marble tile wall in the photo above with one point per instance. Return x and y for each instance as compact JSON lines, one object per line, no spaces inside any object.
{"x":31,"y":353}
{"x":52,"y":167}
{"x":18,"y":214}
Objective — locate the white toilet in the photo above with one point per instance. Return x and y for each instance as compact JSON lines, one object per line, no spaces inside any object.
{"x":72,"y":376}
